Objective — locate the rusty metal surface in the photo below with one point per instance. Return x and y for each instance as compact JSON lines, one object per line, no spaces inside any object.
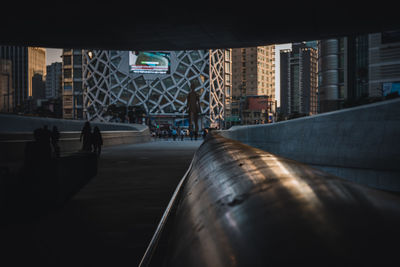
{"x":242,"y":206}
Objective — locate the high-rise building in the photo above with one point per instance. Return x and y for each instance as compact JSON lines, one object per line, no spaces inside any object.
{"x":6,"y":89}
{"x":357,"y":69}
{"x":298,"y":80}
{"x":253,"y":71}
{"x":36,"y":65}
{"x":54,"y":80}
{"x":384,"y":63}
{"x":72,"y":84}
{"x":342,"y":71}
{"x":19,"y":62}
{"x":253,"y":74}
{"x":26,"y":62}
{"x":38,"y":91}
{"x":332,"y":73}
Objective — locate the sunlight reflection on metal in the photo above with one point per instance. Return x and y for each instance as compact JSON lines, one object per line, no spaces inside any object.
{"x":247,"y":207}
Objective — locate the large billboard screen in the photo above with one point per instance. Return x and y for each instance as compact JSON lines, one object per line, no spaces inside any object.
{"x":149,"y":62}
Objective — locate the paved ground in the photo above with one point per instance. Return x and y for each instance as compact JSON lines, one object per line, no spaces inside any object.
{"x":110,"y":221}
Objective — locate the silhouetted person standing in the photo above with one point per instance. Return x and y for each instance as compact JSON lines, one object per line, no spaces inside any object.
{"x":46,"y":134}
{"x":55,"y":137}
{"x":86,"y":137}
{"x":97,"y":140}
{"x":193,"y":107}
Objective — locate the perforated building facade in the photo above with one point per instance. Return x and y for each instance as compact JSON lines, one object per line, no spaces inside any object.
{"x":108,"y":81}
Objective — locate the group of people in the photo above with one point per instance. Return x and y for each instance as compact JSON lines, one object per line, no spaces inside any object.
{"x":45,"y":144}
{"x":177,"y":133}
{"x":91,"y":141}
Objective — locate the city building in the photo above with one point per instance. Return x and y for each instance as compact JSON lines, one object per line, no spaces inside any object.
{"x":54,"y":80}
{"x":359,"y":69}
{"x":152,"y":87}
{"x":36,"y":65}
{"x":72,"y":84}
{"x":298,"y":81}
{"x":25,"y":62}
{"x":332,"y":73}
{"x":343,"y":71}
{"x":384,"y":63}
{"x":6,"y":89}
{"x":258,"y":110}
{"x":38,"y":88}
{"x":253,"y":74}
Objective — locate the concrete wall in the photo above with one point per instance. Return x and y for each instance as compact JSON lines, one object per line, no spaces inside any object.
{"x":16,"y":131}
{"x":361,"y":144}
{"x":17,"y":123}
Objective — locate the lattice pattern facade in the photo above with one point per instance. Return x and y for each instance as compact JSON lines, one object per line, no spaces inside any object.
{"x":217,"y":81}
{"x":107,"y":81}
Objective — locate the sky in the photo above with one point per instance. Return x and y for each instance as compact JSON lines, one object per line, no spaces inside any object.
{"x":53,"y":55}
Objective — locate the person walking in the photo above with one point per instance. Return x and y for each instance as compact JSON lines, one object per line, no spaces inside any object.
{"x":191,"y":134}
{"x":97,"y":140}
{"x":178,"y":132}
{"x":174,"y":133}
{"x":182,"y":134}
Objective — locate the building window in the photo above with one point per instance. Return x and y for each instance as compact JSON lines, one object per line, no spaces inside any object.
{"x":228,"y":91}
{"x":67,"y":74}
{"x":67,"y":101}
{"x":227,"y":67}
{"x":227,"y":78}
{"x":77,"y":73}
{"x":77,"y":86}
{"x":67,"y":60}
{"x":78,"y":100}
{"x":341,"y":76}
{"x":341,"y":92}
{"x":227,"y":55}
{"x":77,"y":60}
{"x":67,"y":86}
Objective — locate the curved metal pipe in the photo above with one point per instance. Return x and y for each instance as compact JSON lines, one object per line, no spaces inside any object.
{"x":242,"y":206}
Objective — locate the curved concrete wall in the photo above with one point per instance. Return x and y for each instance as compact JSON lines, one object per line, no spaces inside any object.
{"x":361,"y":144}
{"x":16,"y":123}
{"x":15,"y":131}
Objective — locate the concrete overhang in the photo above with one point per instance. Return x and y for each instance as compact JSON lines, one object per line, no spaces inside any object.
{"x":191,"y":25}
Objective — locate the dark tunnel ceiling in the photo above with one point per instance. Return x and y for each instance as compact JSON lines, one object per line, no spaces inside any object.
{"x":196,"y":25}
